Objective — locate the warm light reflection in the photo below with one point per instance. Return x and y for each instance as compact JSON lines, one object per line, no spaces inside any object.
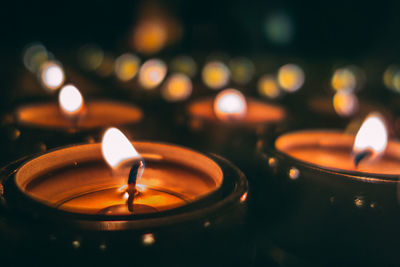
{"x":90,"y":56}
{"x":70,"y":100}
{"x":152,"y":73}
{"x":391,"y":78}
{"x":290,"y":77}
{"x":230,"y":104}
{"x":372,"y":136}
{"x":178,"y":87}
{"x":215,"y":74}
{"x":185,"y":65}
{"x":268,"y":86}
{"x":52,"y":75}
{"x":150,"y":36}
{"x":126,"y":67}
{"x":117,"y":149}
{"x":344,"y":79}
{"x":34,"y":56}
{"x":345,"y":103}
{"x":242,"y":70}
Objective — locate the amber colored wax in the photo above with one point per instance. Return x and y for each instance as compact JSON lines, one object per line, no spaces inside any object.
{"x":333,"y":150}
{"x":98,"y":114}
{"x":257,"y":112}
{"x":76,"y":179}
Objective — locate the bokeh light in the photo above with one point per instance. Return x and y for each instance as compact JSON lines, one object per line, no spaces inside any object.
{"x":90,"y":57}
{"x":268,"y":86}
{"x":185,"y":65}
{"x":345,"y":103}
{"x":152,"y":73}
{"x":34,"y":56}
{"x":51,"y":75}
{"x":215,"y":74}
{"x":391,"y":78}
{"x":126,"y":67}
{"x":279,"y":28}
{"x":230,"y":104}
{"x":177,"y":87}
{"x":344,"y":79}
{"x":242,"y":70}
{"x":150,"y":36}
{"x":290,"y":77}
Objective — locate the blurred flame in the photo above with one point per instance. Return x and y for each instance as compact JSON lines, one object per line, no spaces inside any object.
{"x":290,"y":77}
{"x":345,"y":103}
{"x":52,"y":75}
{"x":178,"y":87}
{"x":372,"y":136}
{"x":230,"y":104}
{"x":126,"y":67}
{"x":215,"y":74}
{"x":116,"y":148}
{"x":70,"y":100}
{"x":344,"y":79}
{"x":152,"y":73}
{"x":268,"y":86}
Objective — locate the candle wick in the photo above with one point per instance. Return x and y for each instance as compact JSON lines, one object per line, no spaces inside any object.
{"x":361,"y":156}
{"x":132,"y":178}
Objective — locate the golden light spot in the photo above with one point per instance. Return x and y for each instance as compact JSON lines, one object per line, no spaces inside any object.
{"x":345,"y":103}
{"x":344,"y":79}
{"x":51,"y":75}
{"x":152,"y":73}
{"x":215,"y":75}
{"x":178,"y":87}
{"x":126,"y":67}
{"x":150,"y":36}
{"x":290,"y":77}
{"x":268,"y":86}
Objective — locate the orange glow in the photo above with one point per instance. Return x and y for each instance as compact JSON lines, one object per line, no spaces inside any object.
{"x":150,"y":36}
{"x":230,"y":104}
{"x":178,"y":87}
{"x":345,"y":103}
{"x":126,"y":67}
{"x":52,"y":75}
{"x":116,"y":148}
{"x":152,"y":73}
{"x":70,"y":101}
{"x":243,"y":197}
{"x":372,"y":136}
{"x":268,"y":86}
{"x":215,"y":75}
{"x":290,"y":77}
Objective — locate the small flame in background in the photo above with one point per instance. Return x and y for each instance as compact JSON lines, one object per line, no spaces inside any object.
{"x":51,"y":75}
{"x":230,"y":104}
{"x":372,"y":136}
{"x":126,"y":67}
{"x":178,"y":87}
{"x":345,"y":103}
{"x":70,"y":100}
{"x":152,"y":73}
{"x":215,"y":75}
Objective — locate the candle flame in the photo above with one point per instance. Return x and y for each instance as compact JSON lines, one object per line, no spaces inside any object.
{"x":372,"y":137}
{"x":230,"y":104}
{"x":70,"y":100}
{"x":117,"y":149}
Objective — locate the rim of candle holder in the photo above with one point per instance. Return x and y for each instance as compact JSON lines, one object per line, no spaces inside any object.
{"x":215,"y":121}
{"x":69,"y":129}
{"x":292,"y":162}
{"x":234,"y":186}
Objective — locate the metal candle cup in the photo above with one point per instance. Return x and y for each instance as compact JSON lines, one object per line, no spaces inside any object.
{"x":326,"y":204}
{"x":57,"y":199}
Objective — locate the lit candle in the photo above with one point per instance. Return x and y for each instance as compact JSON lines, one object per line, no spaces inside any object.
{"x":80,"y":195}
{"x":345,"y":183}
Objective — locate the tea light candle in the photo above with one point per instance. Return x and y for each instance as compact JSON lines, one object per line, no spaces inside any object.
{"x":39,"y":126}
{"x":182,"y":195}
{"x":347,"y":184}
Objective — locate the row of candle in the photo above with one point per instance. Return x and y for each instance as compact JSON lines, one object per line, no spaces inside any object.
{"x":74,"y":180}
